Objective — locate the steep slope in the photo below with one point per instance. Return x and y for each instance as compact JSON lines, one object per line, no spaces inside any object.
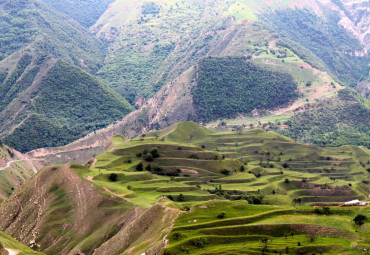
{"x":9,"y":246}
{"x":60,"y":216}
{"x":254,"y":179}
{"x":84,"y":12}
{"x":15,"y":168}
{"x":173,"y":36}
{"x":157,"y":44}
{"x":67,"y":103}
{"x":43,"y":72}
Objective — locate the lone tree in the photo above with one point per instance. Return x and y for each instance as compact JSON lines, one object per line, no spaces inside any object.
{"x":140,"y":167}
{"x":360,"y":219}
{"x":113,"y":177}
{"x":221,"y":215}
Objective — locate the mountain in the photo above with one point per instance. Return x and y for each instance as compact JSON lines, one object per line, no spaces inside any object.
{"x":47,"y":87}
{"x":185,"y":176}
{"x":157,"y":44}
{"x":15,"y":168}
{"x":84,"y":12}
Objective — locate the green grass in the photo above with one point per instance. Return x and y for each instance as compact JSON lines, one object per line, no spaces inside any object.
{"x":8,"y":242}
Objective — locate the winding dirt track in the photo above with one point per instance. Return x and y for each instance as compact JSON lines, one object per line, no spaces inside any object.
{"x":18,"y":160}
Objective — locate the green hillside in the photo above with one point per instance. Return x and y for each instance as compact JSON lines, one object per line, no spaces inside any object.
{"x":7,"y":242}
{"x":84,"y":12}
{"x":56,"y":119}
{"x":230,"y":86}
{"x":206,"y":192}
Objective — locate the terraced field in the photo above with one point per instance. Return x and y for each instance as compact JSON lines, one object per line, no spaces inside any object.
{"x":189,"y":163}
{"x":262,"y":229}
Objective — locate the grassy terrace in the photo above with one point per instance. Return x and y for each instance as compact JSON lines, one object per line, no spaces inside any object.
{"x":263,"y":229}
{"x":263,"y":182}
{"x":201,"y":165}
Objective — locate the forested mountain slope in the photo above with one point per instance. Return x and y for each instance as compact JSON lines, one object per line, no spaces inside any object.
{"x":46,"y":98}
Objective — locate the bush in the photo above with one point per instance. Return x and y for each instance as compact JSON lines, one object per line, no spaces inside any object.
{"x":113,"y":177}
{"x":360,"y":219}
{"x":199,"y":242}
{"x":148,"y":157}
{"x":225,"y":172}
{"x":154,"y":152}
{"x":140,"y":167}
{"x":221,"y":215}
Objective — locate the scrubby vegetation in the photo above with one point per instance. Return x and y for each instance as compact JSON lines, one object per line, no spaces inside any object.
{"x":84,"y":12}
{"x":342,"y":123}
{"x":326,"y":40}
{"x":229,"y":86}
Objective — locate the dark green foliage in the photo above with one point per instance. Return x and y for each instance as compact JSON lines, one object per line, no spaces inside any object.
{"x":199,"y":242}
{"x":181,"y":198}
{"x":61,"y":38}
{"x":325,"y":39}
{"x":148,"y":157}
{"x":133,"y":74}
{"x":155,"y":152}
{"x":7,"y":89}
{"x":113,"y":177}
{"x":37,"y":132}
{"x":221,"y":215}
{"x":225,"y":172}
{"x":70,"y":103}
{"x":139,"y":167}
{"x":84,"y":12}
{"x":228,"y":86}
{"x":360,"y":219}
{"x":15,"y":33}
{"x":333,"y":124}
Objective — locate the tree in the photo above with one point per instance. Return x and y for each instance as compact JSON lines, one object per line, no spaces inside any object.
{"x":140,"y":167}
{"x":181,"y":198}
{"x":148,"y":157}
{"x":221,"y":215}
{"x":242,"y":169}
{"x":360,"y":219}
{"x":113,"y":177}
{"x":155,"y":152}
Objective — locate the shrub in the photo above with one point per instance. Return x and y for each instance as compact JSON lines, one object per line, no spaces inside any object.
{"x":360,"y":219}
{"x":199,"y":242}
{"x":225,"y":172}
{"x":155,"y":152}
{"x":140,"y":167}
{"x":221,"y":215}
{"x":148,"y":157}
{"x":113,"y":177}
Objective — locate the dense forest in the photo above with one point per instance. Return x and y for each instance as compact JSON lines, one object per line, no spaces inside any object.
{"x":228,"y":86}
{"x":72,"y":100}
{"x":325,"y":39}
{"x":345,"y":122}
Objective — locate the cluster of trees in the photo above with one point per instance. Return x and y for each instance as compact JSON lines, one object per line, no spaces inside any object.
{"x":333,"y":124}
{"x":70,"y":104}
{"x":312,"y":37}
{"x":134,"y":74}
{"x":232,"y":85}
{"x":10,"y":88}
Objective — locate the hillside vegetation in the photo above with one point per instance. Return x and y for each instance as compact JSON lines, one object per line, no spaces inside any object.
{"x":58,"y":120}
{"x":230,"y":86}
{"x":232,"y":192}
{"x":84,"y":12}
